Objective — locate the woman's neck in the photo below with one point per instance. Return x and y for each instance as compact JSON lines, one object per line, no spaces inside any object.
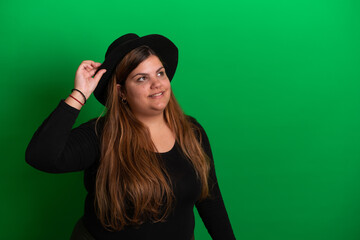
{"x":154,"y":122}
{"x":160,"y":133}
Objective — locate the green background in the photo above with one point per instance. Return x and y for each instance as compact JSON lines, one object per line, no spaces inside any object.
{"x":274,"y":83}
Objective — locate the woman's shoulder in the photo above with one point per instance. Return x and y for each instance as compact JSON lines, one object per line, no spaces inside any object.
{"x":198,"y":128}
{"x":200,"y":134}
{"x":194,"y":121}
{"x":95,"y":125}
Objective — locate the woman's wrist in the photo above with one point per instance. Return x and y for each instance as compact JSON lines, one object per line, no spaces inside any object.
{"x":82,"y":94}
{"x":75,"y":100}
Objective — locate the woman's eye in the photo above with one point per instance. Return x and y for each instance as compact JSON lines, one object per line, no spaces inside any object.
{"x":141,"y":79}
{"x":160,"y":74}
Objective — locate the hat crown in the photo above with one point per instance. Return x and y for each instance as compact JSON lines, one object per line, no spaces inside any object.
{"x":121,"y":40}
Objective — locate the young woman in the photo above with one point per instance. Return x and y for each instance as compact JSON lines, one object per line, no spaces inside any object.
{"x":146,"y":163}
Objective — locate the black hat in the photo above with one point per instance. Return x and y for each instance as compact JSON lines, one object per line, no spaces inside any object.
{"x":163,"y":47}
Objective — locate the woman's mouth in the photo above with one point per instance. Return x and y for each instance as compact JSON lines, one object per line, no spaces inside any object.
{"x":156,"y":94}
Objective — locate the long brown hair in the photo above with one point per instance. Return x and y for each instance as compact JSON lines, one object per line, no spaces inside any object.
{"x":132,"y":185}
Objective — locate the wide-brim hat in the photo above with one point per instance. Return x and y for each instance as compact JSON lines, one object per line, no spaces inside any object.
{"x":162,"y":46}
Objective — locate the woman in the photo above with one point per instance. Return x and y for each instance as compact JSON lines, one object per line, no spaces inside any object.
{"x":146,"y":163}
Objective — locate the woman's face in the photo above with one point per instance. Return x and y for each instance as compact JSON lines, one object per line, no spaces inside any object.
{"x":147,"y":88}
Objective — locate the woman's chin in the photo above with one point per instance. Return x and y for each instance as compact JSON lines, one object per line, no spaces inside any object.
{"x":159,"y":108}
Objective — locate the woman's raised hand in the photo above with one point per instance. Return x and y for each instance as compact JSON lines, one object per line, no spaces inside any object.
{"x":85,"y":81}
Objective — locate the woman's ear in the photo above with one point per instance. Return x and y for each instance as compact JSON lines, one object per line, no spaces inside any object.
{"x":120,"y":91}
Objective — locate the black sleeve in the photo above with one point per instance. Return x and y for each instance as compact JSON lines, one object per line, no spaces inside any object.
{"x":212,"y":210}
{"x":57,"y":148}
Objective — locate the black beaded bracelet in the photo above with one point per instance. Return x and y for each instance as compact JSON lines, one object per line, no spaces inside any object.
{"x":80,"y":93}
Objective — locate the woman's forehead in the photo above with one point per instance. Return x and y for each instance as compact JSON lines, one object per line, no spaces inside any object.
{"x":148,"y":66}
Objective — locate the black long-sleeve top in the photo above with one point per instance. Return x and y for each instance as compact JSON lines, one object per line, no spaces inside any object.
{"x":57,"y":148}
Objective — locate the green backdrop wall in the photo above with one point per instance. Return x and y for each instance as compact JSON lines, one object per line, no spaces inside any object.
{"x":274,"y":83}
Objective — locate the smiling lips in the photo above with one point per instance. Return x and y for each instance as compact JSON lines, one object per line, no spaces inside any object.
{"x":156,"y":94}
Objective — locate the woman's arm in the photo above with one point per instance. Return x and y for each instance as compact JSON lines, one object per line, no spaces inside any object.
{"x":212,"y":210}
{"x":55,"y":147}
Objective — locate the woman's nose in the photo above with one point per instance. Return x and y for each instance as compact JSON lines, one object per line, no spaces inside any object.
{"x":155,"y":82}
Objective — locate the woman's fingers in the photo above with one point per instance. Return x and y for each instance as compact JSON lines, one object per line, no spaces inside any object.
{"x":88,"y":68}
{"x":98,"y":75}
{"x":95,"y":64}
{"x":93,"y":71}
{"x":85,"y":80}
{"x":92,"y":65}
{"x":89,"y":65}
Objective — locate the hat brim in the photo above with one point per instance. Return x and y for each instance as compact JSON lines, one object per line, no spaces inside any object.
{"x":162,"y":46}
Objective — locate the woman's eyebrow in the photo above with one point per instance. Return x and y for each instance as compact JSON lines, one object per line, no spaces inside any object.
{"x":147,"y":73}
{"x":160,"y":68}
